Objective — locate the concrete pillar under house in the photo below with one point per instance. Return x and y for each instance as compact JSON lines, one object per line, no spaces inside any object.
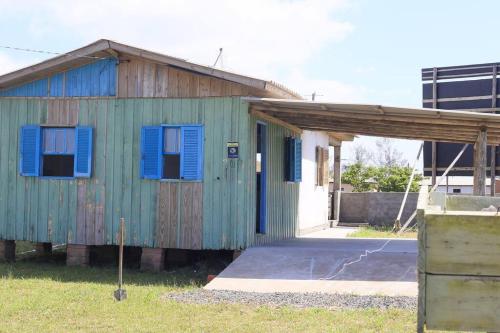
{"x":77,"y":255}
{"x":8,"y":250}
{"x":152,"y":259}
{"x":43,"y":248}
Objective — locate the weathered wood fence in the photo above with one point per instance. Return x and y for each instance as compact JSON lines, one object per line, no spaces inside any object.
{"x":459,"y":263}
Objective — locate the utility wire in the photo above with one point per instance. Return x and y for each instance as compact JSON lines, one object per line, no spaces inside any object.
{"x":364,"y":255}
{"x":13,"y":48}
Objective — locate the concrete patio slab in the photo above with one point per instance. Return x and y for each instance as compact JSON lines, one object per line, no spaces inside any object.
{"x":318,"y":264}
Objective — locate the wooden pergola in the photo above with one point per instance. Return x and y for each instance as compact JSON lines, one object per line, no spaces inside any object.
{"x":480,"y":129}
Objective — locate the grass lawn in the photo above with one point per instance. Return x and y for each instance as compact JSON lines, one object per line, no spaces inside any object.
{"x":41,"y":296}
{"x":380,"y":232}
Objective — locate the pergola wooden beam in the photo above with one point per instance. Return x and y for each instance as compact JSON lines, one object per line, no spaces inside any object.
{"x":377,"y":120}
{"x":434,"y":125}
{"x":275,"y":120}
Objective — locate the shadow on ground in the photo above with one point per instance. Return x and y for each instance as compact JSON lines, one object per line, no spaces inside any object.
{"x":53,"y":267}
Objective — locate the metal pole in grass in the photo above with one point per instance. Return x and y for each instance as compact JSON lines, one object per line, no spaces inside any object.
{"x":121,"y":294}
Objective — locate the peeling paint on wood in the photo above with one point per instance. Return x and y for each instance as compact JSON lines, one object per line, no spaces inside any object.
{"x":218,"y":213}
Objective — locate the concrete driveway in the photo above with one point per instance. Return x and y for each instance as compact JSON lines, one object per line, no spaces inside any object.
{"x":324,"y":262}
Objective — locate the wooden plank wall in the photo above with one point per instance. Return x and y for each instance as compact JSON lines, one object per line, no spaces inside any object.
{"x":459,"y":270}
{"x":282,"y":197}
{"x":180,"y":217}
{"x":94,"y":79}
{"x":463,"y":243}
{"x":218,"y":213}
{"x":139,"y":78}
{"x":463,"y":303}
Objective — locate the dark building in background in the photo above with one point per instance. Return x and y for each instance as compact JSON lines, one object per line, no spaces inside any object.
{"x":468,"y":88}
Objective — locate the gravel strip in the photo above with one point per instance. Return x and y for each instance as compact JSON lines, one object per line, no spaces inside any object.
{"x":299,"y":300}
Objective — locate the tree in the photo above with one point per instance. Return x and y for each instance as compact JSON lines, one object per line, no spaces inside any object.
{"x":387,"y":178}
{"x":362,"y":155}
{"x":395,"y":179}
{"x":387,"y":155}
{"x":357,"y":175}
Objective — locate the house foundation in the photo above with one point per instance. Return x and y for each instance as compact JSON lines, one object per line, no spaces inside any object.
{"x":43,"y":248}
{"x":152,"y":259}
{"x":8,"y":250}
{"x":77,"y":255}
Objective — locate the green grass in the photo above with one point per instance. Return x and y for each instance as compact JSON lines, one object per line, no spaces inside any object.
{"x":22,"y":246}
{"x":380,"y":232}
{"x":50,"y":297}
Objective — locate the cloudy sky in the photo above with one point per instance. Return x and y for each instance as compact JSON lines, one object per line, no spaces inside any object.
{"x":361,"y":51}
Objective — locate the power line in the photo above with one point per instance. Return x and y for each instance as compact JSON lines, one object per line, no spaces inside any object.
{"x":13,"y":48}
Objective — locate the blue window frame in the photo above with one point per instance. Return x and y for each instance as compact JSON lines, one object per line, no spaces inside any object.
{"x":172,"y":152}
{"x":293,"y":159}
{"x":57,"y":152}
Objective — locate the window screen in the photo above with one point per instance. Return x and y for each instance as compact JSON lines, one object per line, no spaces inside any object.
{"x":172,"y":140}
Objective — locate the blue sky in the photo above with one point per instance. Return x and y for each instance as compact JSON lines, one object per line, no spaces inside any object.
{"x":346,"y":50}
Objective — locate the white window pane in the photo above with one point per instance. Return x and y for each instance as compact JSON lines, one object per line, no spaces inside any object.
{"x":60,"y":141}
{"x":48,"y":140}
{"x":70,"y":141}
{"x":172,"y":140}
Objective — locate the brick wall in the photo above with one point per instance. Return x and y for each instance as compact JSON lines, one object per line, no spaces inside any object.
{"x":375,"y":208}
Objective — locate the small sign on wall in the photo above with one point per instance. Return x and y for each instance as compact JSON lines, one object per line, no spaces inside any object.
{"x":233,"y":149}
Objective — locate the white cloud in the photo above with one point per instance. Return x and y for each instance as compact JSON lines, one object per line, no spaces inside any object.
{"x":259,"y":37}
{"x":270,"y":39}
{"x":8,"y":64}
{"x":364,"y":70}
{"x":326,"y":90}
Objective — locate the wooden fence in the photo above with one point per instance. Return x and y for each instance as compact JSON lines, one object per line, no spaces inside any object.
{"x":459,"y":263}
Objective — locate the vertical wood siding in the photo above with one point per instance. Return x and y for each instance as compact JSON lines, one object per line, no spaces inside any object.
{"x":282,"y":197}
{"x":95,"y":79}
{"x":218,"y":213}
{"x":139,"y":78}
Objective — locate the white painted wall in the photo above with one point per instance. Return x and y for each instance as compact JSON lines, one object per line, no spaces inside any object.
{"x":313,"y":200}
{"x":464,"y":189}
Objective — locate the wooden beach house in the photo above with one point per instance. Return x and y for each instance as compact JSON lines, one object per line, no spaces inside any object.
{"x":110,"y":131}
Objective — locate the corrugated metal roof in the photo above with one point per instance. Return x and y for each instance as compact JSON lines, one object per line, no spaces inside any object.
{"x":380,"y":120}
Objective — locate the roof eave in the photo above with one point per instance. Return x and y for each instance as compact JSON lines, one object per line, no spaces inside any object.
{"x":103,"y":45}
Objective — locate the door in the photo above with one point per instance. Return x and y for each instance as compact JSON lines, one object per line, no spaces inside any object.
{"x":261,"y":178}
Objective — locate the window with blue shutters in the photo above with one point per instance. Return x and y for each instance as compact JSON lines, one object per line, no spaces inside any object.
{"x":293,"y":159}
{"x":61,"y":152}
{"x":172,"y":152}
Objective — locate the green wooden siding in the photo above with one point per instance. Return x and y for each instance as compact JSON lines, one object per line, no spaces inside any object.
{"x":87,"y":211}
{"x":282,"y":197}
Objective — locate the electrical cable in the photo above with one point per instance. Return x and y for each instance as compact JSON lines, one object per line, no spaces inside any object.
{"x":47,"y":52}
{"x":364,"y":255}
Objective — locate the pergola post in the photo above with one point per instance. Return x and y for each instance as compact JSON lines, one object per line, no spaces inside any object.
{"x":493,"y":147}
{"x":336,"y":182}
{"x":493,"y":167}
{"x":480,"y":149}
{"x":434,"y":144}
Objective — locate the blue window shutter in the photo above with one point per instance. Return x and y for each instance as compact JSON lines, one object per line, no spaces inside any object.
{"x":298,"y":160}
{"x":151,"y":152}
{"x":29,"y":164}
{"x":83,"y":152}
{"x":293,"y":159}
{"x":192,"y":152}
{"x":289,"y":160}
